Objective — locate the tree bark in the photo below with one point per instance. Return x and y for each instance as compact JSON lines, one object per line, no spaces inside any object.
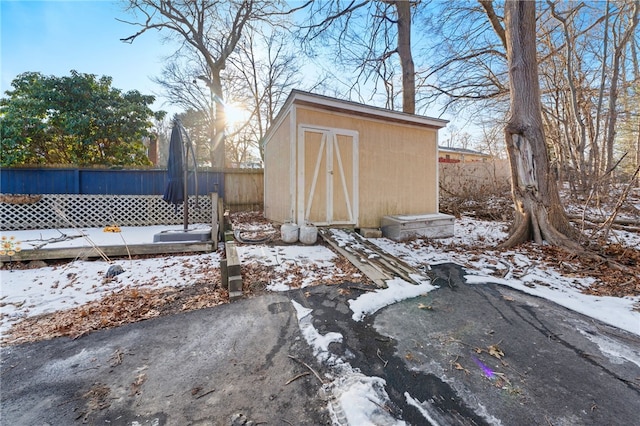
{"x":539,"y":215}
{"x":403,"y":8}
{"x":218,"y":142}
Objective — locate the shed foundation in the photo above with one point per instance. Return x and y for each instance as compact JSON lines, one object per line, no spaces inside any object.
{"x":403,"y":227}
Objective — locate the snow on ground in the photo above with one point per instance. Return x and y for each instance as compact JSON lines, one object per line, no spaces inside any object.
{"x":30,"y":292}
{"x":354,"y":399}
{"x":283,"y":258}
{"x":396,"y":291}
{"x":86,"y":237}
{"x":524,"y":274}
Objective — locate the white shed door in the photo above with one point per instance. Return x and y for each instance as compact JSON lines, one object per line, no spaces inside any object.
{"x":327,"y":176}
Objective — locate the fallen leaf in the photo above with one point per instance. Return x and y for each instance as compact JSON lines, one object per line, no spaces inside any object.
{"x":495,"y":351}
{"x":426,"y":307}
{"x":137,"y":383}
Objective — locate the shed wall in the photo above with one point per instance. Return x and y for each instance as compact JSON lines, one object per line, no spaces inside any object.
{"x":277,"y":160}
{"x":397,"y":164}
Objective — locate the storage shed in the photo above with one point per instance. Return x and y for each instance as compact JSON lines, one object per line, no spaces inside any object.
{"x":338,"y":163}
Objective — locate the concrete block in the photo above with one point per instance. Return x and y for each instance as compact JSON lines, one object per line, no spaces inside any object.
{"x":371,"y":232}
{"x":182,"y":235}
{"x":235,"y":286}
{"x":224,"y":275}
{"x":403,"y":227}
{"x":233,"y":271}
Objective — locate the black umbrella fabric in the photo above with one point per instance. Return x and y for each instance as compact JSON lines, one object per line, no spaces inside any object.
{"x":174,"y":193}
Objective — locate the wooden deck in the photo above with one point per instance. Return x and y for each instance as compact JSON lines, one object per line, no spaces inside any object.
{"x":88,"y":252}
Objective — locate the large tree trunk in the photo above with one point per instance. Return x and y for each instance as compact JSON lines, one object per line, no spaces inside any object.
{"x":403,"y":8}
{"x":539,"y":215}
{"x":218,"y":150}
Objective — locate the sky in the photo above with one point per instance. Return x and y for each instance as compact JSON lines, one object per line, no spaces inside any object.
{"x":54,"y":37}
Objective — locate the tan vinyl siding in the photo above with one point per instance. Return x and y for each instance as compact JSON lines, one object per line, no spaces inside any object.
{"x":389,"y":163}
{"x":277,"y":161}
{"x":397,"y":164}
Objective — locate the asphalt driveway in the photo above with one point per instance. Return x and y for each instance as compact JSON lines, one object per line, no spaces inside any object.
{"x":459,"y":355}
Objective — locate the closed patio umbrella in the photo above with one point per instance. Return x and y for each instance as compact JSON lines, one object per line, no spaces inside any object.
{"x":174,"y":192}
{"x":177,"y":191}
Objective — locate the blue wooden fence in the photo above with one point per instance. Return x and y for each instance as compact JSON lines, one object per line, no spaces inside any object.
{"x":100,"y":181}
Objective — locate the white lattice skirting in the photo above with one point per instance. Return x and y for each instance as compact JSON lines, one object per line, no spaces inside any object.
{"x":96,"y":211}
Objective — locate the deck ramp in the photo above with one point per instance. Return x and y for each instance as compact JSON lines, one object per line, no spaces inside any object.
{"x":378,"y":265}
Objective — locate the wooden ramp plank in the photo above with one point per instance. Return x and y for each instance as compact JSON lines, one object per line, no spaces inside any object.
{"x":397,"y":266}
{"x":370,"y":259}
{"x":377,"y":275}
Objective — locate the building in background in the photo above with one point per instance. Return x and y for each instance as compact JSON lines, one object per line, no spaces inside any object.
{"x":460,"y":155}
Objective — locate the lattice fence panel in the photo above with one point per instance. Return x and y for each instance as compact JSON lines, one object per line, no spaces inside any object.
{"x":96,"y":211}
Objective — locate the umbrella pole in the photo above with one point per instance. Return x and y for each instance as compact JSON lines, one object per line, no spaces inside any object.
{"x":185,"y":203}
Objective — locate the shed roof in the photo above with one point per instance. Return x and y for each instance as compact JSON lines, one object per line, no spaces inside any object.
{"x":299,"y":97}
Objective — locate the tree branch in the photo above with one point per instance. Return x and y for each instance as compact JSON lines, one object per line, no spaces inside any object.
{"x":494,"y":20}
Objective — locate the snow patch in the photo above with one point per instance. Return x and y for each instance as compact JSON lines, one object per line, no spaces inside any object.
{"x":396,"y":291}
{"x":354,"y":399}
{"x":320,"y":343}
{"x":423,"y":408}
{"x":616,"y":311}
{"x":616,"y":352}
{"x":29,"y":292}
{"x":359,"y":400}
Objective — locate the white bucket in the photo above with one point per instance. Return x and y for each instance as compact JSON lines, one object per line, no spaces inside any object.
{"x":308,"y":234}
{"x":289,"y":232}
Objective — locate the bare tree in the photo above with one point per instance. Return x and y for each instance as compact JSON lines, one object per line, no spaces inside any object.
{"x":181,"y":86}
{"x":457,"y":138}
{"x":212,"y":28}
{"x":539,"y":214}
{"x":575,"y":54}
{"x":264,"y":71}
{"x":492,"y":141}
{"x":367,"y":35}
{"x":467,"y":68}
{"x":622,"y":37}
{"x":198,"y":124}
{"x":635,"y":112}
{"x":403,"y":10}
{"x":582,"y":63}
